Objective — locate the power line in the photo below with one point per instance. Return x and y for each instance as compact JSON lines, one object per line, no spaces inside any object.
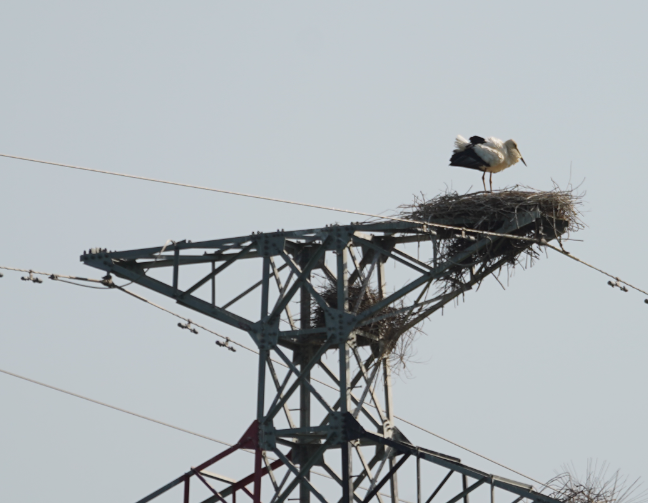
{"x":115,"y":408}
{"x":541,"y":242}
{"x":51,"y":275}
{"x":156,"y":421}
{"x":109,"y":285}
{"x":200,"y":187}
{"x":227,"y":339}
{"x":472,"y":452}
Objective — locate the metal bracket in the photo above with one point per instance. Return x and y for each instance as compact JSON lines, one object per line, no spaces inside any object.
{"x":341,"y":237}
{"x":337,"y":428}
{"x":340,"y":326}
{"x":266,"y":337}
{"x":267,"y":436}
{"x":270,"y":245}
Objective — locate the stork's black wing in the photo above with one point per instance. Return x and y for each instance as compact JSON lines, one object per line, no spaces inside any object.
{"x":468,"y":158}
{"x":477,"y":140}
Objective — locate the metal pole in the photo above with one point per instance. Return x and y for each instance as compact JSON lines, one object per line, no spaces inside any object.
{"x":418,"y":477}
{"x":389,"y":411}
{"x":344,"y":355}
{"x":263,"y":353}
{"x":213,"y":286}
{"x":303,"y":356}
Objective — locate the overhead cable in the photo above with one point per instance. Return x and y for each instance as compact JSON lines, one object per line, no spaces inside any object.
{"x":31,"y":272}
{"x":115,"y":408}
{"x":541,"y":242}
{"x":315,"y":472}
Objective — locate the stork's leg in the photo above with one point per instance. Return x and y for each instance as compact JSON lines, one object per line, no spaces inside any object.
{"x":491,"y":181}
{"x":484,"y":180}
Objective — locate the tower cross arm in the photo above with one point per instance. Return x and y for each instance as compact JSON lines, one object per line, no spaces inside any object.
{"x":187,"y":300}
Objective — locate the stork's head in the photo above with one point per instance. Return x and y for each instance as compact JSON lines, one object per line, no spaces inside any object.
{"x":514,"y":152}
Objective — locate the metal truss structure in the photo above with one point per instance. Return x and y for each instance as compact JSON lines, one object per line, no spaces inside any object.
{"x":336,"y":374}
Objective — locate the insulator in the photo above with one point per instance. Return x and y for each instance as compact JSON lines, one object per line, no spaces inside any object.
{"x":225,"y":345}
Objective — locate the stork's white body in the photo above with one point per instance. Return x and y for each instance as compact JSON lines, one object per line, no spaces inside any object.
{"x":490,"y":155}
{"x":498,"y":154}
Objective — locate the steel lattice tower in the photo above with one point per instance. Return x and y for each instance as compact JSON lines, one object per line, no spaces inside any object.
{"x":345,"y":424}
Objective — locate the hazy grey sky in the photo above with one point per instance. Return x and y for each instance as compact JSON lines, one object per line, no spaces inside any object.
{"x":352,"y":105}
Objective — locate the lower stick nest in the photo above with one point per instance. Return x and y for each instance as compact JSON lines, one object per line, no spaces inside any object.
{"x":385,"y":336}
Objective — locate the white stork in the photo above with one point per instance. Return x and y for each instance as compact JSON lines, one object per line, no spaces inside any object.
{"x":490,"y":155}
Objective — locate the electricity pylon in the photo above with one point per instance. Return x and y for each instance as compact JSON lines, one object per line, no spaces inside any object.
{"x":345,"y":421}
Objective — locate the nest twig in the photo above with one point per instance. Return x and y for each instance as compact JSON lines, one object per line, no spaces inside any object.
{"x":596,"y":486}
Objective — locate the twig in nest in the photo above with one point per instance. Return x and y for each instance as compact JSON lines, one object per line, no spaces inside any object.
{"x":597,"y":486}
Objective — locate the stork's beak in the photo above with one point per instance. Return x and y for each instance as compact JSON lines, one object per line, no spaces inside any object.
{"x":523,"y":161}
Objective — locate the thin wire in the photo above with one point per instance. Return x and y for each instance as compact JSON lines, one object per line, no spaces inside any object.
{"x":329,"y":208}
{"x":51,"y":275}
{"x":200,"y":187}
{"x":220,"y":441}
{"x":57,"y":277}
{"x":143,"y":299}
{"x":113,"y":407}
{"x":154,"y":420}
{"x":84,"y":286}
{"x":596,"y":268}
{"x":472,"y":452}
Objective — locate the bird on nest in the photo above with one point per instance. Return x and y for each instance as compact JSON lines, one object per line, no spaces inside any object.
{"x":490,"y":155}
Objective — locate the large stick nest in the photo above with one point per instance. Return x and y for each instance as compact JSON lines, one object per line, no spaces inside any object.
{"x":558,"y":212}
{"x":477,"y":209}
